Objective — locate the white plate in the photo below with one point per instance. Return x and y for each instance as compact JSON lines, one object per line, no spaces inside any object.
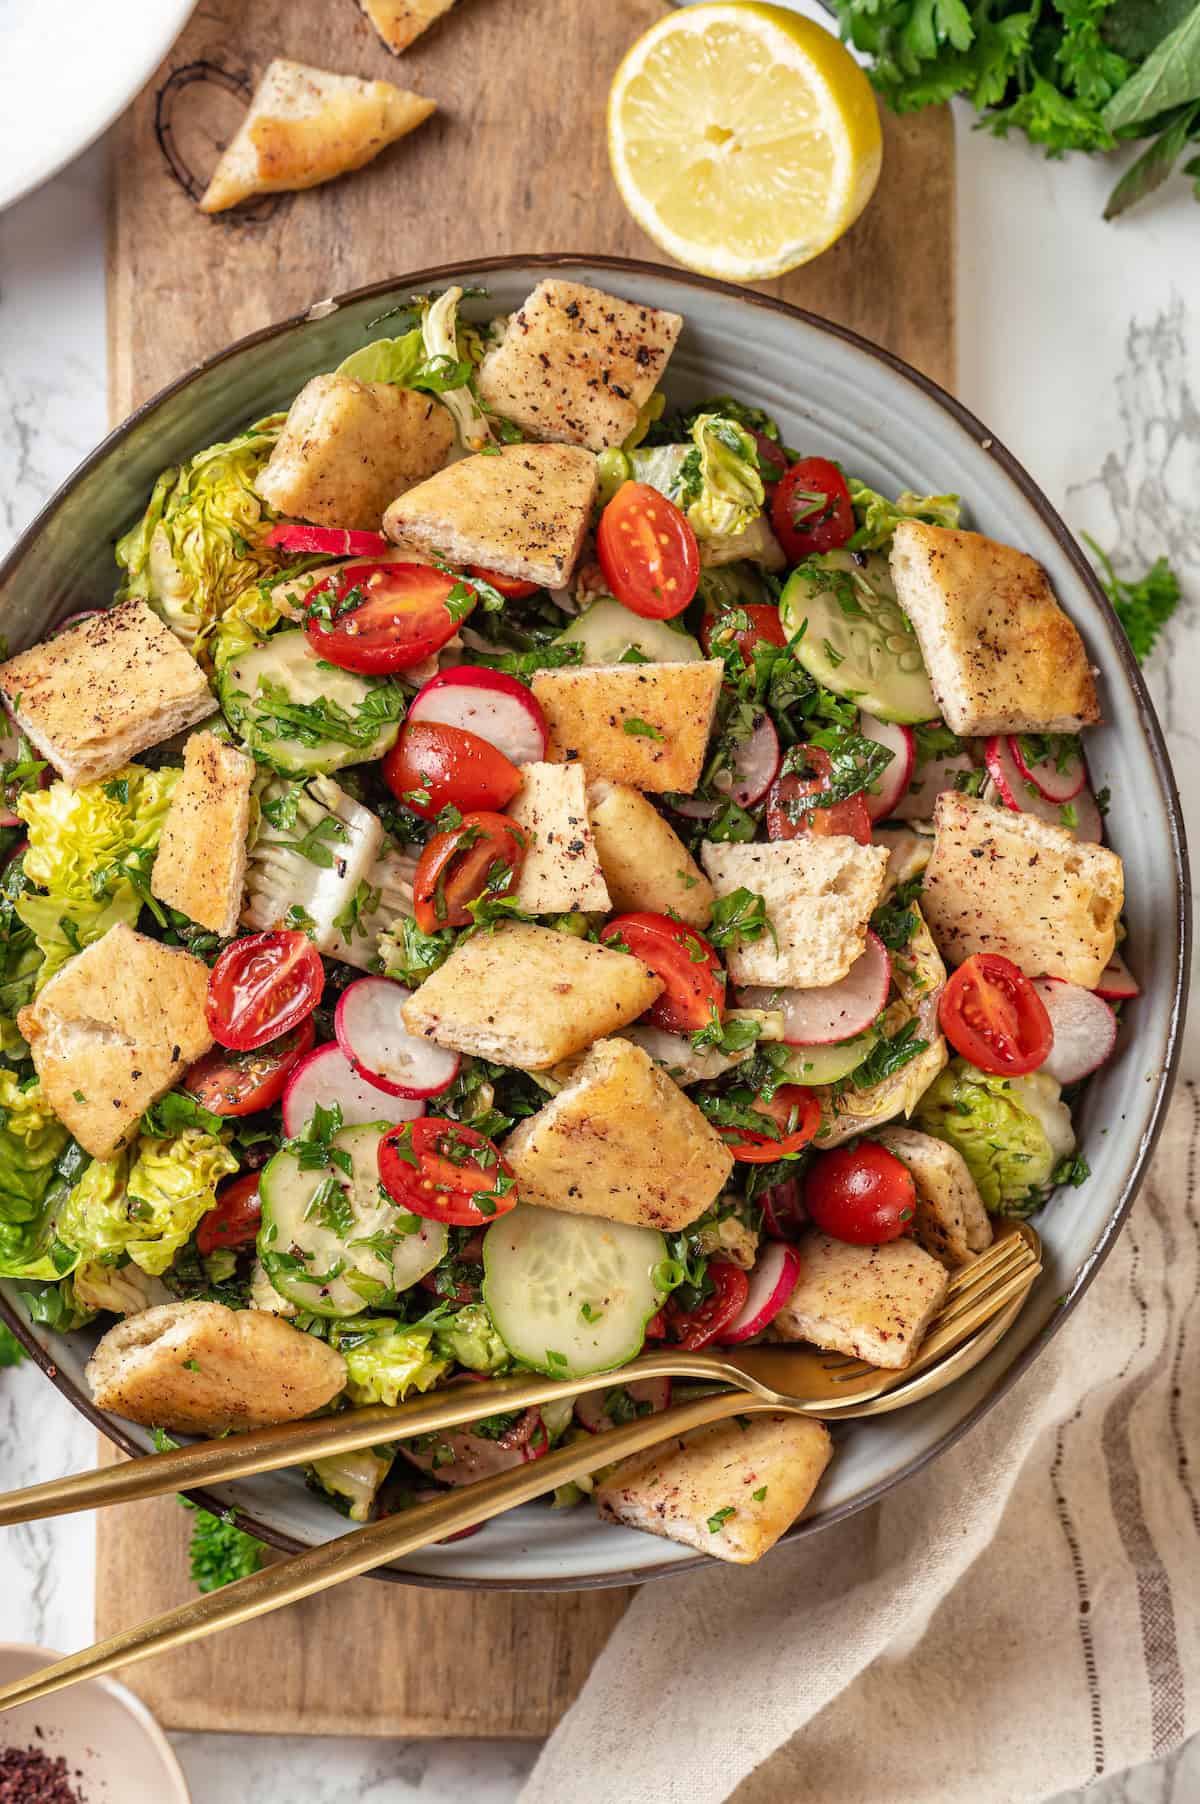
{"x":67,"y":70}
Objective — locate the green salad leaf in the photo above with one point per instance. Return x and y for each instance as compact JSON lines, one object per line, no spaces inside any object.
{"x":1012,"y":1131}
{"x":385,"y":1360}
{"x":198,"y":544}
{"x":146,"y":1204}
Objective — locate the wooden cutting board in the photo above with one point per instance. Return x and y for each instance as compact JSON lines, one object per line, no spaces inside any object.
{"x":513,"y":161}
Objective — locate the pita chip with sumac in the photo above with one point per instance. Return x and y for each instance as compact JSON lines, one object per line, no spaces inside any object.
{"x":306,"y":126}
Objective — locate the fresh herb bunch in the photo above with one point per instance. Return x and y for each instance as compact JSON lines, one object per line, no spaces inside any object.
{"x":1071,"y":74}
{"x":221,"y":1551}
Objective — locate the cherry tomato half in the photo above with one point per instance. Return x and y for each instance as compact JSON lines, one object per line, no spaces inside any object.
{"x":241,"y":1083}
{"x":485,"y":853}
{"x":796,"y":1114}
{"x":718,"y":632}
{"x":810,"y":509}
{"x":683,"y":958}
{"x":860,"y":1193}
{"x":648,"y":552}
{"x":511,"y":587}
{"x":991,"y":1013}
{"x":382,"y":617}
{"x":234,"y":1219}
{"x":788,"y":818}
{"x":431,"y":766}
{"x":440,"y":1169}
{"x":699,"y":1327}
{"x":261,"y":987}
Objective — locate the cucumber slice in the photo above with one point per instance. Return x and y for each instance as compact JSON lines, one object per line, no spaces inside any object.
{"x":570,"y":1294}
{"x":331,"y":1241}
{"x":362,"y":715}
{"x":609,"y":633}
{"x":857,"y":640}
{"x":825,"y":1064}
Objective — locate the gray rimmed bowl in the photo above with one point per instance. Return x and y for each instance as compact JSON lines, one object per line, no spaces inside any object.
{"x":834,"y":393}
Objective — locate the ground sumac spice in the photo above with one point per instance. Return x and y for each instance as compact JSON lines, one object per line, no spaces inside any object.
{"x":30,"y":1776}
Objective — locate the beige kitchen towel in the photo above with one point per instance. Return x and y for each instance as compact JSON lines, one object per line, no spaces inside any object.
{"x":1020,"y":1618}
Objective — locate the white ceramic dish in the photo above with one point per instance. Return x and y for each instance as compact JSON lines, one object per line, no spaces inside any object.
{"x":115,"y":1751}
{"x":832,"y":393}
{"x":67,"y":71}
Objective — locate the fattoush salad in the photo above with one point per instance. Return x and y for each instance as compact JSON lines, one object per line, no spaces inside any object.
{"x":523,"y":872}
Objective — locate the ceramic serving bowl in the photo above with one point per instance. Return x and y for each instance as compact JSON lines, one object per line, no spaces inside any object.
{"x":834,"y":393}
{"x":112,"y":1745}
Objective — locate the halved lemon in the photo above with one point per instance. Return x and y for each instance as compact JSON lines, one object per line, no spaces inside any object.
{"x":744,"y":138}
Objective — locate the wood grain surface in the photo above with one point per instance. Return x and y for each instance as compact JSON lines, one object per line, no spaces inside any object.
{"x":513,"y":161}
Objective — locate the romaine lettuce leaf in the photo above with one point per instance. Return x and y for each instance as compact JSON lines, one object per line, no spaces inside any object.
{"x":147,"y":1204}
{"x":877,"y":518}
{"x":384,"y":1359}
{"x":198,"y":545}
{"x":32,"y":1143}
{"x":1012,"y":1131}
{"x":89,"y":848}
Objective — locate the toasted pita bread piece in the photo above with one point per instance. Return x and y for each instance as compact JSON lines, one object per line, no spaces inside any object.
{"x":529,"y":996}
{"x":522,"y":512}
{"x":400,"y":22}
{"x":201,"y":1369}
{"x":622,"y":1141}
{"x":112,"y":1031}
{"x":951,"y":1221}
{"x":819,"y":893}
{"x":998,"y":881}
{"x":348,"y":448}
{"x":104,"y":690}
{"x":730,"y":1489}
{"x":1001,"y":654}
{"x":645,"y":863}
{"x":646,"y":725}
{"x":561,"y":871}
{"x":874,"y":1303}
{"x":201,"y":863}
{"x":576,"y":364}
{"x":307,"y":126}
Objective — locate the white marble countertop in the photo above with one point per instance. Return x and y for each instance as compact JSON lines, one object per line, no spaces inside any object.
{"x":1080,"y":347}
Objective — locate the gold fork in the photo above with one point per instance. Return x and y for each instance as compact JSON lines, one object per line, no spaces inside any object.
{"x":949,"y":1345}
{"x":819,"y":1384}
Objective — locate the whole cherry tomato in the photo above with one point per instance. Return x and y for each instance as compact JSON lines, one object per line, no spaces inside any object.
{"x":860,"y":1193}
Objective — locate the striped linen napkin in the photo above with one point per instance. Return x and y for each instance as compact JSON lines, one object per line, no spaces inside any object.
{"x":1015,"y":1621}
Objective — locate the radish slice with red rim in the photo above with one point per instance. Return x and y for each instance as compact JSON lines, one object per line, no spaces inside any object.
{"x":755,"y":766}
{"x":456,"y":1456}
{"x":893,"y":783}
{"x":600,"y":1410}
{"x":326,"y":1076}
{"x":1117,"y":982}
{"x":927,"y":783}
{"x":772,"y":1282}
{"x":784,"y":1214}
{"x":74,"y":620}
{"x":1085,"y":1029}
{"x":1058,"y":776}
{"x":1080,"y":816}
{"x":488,"y":703}
{"x":371,"y":1032}
{"x":837,"y":1012}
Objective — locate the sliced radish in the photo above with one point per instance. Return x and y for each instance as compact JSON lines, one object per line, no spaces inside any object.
{"x":1117,"y":982}
{"x":590,"y":1409}
{"x":755,"y":767}
{"x":1057,"y":780}
{"x":326,"y":1076}
{"x":784,"y":1214}
{"x":489,"y":703}
{"x":325,"y":541}
{"x":371,"y":1032}
{"x":839,"y":1011}
{"x":1085,"y":1029}
{"x":901,"y":742}
{"x":473,"y":1456}
{"x":74,"y":620}
{"x":1085,"y":820}
{"x":1080,"y":816}
{"x":771,"y":1284}
{"x":927,"y":783}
